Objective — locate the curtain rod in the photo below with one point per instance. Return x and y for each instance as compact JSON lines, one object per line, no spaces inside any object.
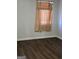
{"x":46,"y":1}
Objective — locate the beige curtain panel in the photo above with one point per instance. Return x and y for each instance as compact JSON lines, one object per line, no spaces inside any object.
{"x":43,"y":17}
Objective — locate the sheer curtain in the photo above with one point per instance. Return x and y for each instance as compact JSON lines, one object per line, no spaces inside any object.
{"x":43,"y":17}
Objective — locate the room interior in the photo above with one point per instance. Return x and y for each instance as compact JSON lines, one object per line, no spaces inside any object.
{"x":38,"y":45}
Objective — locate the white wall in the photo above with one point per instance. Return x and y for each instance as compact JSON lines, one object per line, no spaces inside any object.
{"x":26,"y":11}
{"x":59,"y":2}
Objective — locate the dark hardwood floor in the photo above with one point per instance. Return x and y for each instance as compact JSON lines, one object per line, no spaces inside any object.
{"x":48,"y":48}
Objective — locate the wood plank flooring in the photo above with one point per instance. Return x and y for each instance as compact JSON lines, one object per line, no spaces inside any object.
{"x":49,"y":48}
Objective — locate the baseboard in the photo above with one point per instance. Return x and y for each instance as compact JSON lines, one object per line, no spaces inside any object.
{"x":31,"y":38}
{"x":59,"y":37}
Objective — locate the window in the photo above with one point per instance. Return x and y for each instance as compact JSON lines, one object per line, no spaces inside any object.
{"x":43,"y":17}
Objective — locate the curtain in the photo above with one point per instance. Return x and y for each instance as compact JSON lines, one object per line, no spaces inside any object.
{"x":43,"y":16}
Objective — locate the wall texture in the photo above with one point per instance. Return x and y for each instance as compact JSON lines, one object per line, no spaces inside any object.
{"x":26,"y":11}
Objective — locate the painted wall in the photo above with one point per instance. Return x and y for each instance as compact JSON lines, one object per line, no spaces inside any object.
{"x":26,"y":11}
{"x":59,"y":18}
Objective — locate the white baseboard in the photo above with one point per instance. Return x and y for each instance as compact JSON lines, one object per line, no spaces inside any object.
{"x":59,"y":37}
{"x":31,"y":38}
